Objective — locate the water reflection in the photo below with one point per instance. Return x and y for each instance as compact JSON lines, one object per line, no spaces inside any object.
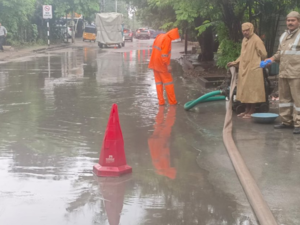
{"x":113,"y":192}
{"x":110,"y":69}
{"x":72,"y":65}
{"x":159,"y":142}
{"x":51,"y":136}
{"x":137,"y":55}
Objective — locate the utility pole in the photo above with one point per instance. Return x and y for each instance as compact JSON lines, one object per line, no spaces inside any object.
{"x":116,"y":5}
{"x":73,"y":26}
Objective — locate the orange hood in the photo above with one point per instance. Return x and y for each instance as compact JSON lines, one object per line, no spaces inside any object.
{"x":173,"y":34}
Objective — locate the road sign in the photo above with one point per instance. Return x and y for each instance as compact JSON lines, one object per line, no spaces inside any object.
{"x":47,"y":11}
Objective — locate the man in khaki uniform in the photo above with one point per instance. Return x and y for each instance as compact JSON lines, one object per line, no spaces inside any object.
{"x":289,"y":74}
{"x":250,"y":86}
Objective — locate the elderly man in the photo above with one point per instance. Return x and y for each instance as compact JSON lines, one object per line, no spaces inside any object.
{"x":3,"y":33}
{"x":160,"y":63}
{"x":288,"y":55}
{"x":250,"y":86}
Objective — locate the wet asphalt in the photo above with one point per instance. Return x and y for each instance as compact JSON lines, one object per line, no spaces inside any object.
{"x":54,"y":109}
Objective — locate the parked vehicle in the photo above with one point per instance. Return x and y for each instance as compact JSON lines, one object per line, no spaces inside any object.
{"x":110,"y":29}
{"x":153,"y":33}
{"x":89,"y":33}
{"x":69,"y":31}
{"x":143,"y":33}
{"x":65,"y":31}
{"x":157,"y":32}
{"x":128,"y":34}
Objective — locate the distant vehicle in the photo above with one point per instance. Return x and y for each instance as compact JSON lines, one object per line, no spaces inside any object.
{"x":110,"y":29}
{"x":142,"y":33}
{"x":69,"y":32}
{"x":155,"y":33}
{"x":152,"y":33}
{"x":128,"y":34}
{"x":89,"y":33}
{"x":65,"y":30}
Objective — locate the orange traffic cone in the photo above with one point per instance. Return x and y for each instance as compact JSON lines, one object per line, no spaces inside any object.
{"x":112,"y":161}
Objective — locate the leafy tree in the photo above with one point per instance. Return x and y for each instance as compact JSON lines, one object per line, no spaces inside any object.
{"x":16,"y":17}
{"x":24,"y":21}
{"x":221,"y":17}
{"x":85,"y":7}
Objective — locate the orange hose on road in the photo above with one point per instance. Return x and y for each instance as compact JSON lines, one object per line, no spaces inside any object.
{"x":255,"y":198}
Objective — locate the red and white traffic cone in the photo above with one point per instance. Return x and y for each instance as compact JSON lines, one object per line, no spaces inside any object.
{"x":112,"y":161}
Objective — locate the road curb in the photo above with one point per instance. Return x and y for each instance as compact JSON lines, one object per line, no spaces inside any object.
{"x":9,"y":55}
{"x":52,"y":47}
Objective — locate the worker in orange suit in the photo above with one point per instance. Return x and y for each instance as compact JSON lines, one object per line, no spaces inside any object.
{"x":160,"y":140}
{"x":160,"y":63}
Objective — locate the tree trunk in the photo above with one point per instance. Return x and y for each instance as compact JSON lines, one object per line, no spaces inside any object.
{"x":186,"y":41}
{"x":232,"y":21}
{"x":206,"y":42}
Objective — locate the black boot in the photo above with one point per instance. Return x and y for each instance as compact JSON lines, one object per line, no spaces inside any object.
{"x":296,"y":130}
{"x":282,"y":126}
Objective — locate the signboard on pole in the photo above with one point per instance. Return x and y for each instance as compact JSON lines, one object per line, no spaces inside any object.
{"x":47,"y":11}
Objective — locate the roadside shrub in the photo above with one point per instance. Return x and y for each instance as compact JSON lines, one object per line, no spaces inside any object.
{"x":228,"y":51}
{"x":41,"y":42}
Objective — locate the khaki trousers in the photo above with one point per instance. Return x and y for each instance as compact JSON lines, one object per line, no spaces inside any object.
{"x":289,"y":101}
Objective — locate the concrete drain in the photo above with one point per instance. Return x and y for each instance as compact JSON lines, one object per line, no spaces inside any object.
{"x":211,"y":82}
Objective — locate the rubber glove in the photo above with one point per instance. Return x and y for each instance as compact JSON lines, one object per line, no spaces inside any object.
{"x":264,"y":63}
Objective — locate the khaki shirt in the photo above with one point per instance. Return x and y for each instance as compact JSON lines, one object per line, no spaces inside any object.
{"x":288,"y":54}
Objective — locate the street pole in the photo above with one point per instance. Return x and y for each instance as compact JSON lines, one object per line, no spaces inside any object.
{"x":66,"y":31}
{"x":47,"y":14}
{"x":48,"y":32}
{"x":116,"y":5}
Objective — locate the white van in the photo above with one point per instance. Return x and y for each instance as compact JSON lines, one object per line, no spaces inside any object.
{"x":110,"y":29}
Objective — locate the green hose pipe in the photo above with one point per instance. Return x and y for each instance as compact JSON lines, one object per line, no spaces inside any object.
{"x":214,"y":98}
{"x":205,"y":98}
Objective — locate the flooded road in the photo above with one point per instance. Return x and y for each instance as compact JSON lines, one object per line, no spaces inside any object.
{"x":54,"y":110}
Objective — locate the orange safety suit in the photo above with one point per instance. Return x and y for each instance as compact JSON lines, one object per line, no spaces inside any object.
{"x":159,"y":142}
{"x":159,"y":62}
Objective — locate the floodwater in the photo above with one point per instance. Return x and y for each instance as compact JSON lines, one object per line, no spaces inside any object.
{"x":53,"y":114}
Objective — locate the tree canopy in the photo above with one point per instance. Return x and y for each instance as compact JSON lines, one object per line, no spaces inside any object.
{"x":23,"y":19}
{"x":219,"y":19}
